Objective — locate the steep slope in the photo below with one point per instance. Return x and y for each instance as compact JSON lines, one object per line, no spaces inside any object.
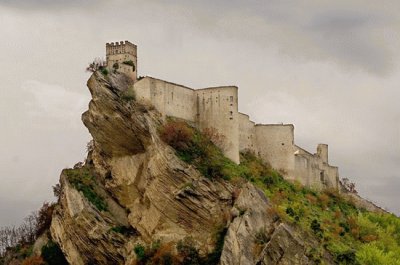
{"x":134,"y":191}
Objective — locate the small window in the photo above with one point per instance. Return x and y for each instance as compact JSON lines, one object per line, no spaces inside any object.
{"x":231,"y":112}
{"x":282,"y":143}
{"x":322,"y":176}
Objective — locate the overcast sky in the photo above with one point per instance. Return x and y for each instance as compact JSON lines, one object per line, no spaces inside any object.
{"x":329,"y":67}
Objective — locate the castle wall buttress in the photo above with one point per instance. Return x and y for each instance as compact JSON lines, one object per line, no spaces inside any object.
{"x":247,"y":134}
{"x":217,"y":108}
{"x":275,"y":145}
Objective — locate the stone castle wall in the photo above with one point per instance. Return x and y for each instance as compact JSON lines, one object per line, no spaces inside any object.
{"x":217,"y":108}
{"x":274,"y":143}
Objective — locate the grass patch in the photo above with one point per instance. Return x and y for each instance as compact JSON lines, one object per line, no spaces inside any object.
{"x":82,"y":180}
{"x":128,"y":95}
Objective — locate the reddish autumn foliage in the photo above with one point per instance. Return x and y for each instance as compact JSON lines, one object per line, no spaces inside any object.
{"x":35,"y":260}
{"x":177,"y":134}
{"x":44,"y":218}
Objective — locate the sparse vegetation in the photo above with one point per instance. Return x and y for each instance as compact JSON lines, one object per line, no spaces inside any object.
{"x":83,"y":180}
{"x":130,"y":63}
{"x":97,"y":64}
{"x":351,"y":235}
{"x":128,"y":95}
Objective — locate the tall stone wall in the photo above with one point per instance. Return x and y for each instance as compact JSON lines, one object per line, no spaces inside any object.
{"x":217,"y":107}
{"x":275,"y":145}
{"x":168,"y":98}
{"x":207,"y":108}
{"x":247,"y":133}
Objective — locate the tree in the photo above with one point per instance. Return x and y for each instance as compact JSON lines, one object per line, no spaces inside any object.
{"x":97,"y":64}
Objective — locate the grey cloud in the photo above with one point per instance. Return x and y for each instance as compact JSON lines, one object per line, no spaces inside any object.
{"x":48,"y":4}
{"x":294,"y":62}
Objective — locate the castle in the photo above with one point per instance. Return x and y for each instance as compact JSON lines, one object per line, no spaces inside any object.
{"x":217,"y":108}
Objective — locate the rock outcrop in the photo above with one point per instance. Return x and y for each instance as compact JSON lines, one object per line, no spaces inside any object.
{"x":154,"y":195}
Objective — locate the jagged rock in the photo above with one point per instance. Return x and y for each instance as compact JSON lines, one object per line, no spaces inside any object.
{"x":166,"y":198}
{"x":41,"y":241}
{"x":257,"y":236}
{"x":148,"y":189}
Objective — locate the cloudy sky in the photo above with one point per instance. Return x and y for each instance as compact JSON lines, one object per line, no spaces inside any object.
{"x":329,"y":67}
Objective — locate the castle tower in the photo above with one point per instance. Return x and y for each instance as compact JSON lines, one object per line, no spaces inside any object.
{"x":122,"y":57}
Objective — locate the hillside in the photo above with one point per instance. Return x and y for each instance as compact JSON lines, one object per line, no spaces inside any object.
{"x":161,"y":192}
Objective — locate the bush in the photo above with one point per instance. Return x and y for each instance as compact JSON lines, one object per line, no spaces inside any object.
{"x":97,"y":64}
{"x":129,"y":95}
{"x":178,"y":135}
{"x":187,"y":253}
{"x":316,"y":227}
{"x":83,"y":181}
{"x":140,"y":252}
{"x":44,"y":218}
{"x":35,"y":260}
{"x":104,"y":71}
{"x":130,"y":63}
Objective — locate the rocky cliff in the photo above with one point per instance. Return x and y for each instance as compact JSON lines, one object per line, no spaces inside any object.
{"x":133,"y":192}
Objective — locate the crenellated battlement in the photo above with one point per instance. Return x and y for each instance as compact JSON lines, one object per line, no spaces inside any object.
{"x":122,"y":57}
{"x":121,"y":47}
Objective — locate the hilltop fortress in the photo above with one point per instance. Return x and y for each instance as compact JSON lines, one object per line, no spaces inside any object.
{"x":217,"y":107}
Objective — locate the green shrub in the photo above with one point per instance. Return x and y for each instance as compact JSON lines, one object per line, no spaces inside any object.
{"x":104,"y":71}
{"x":140,"y":252}
{"x":130,"y":63}
{"x":192,"y":147}
{"x":128,"y":95}
{"x":82,"y":180}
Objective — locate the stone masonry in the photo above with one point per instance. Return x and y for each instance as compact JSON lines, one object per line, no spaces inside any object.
{"x":217,"y":108}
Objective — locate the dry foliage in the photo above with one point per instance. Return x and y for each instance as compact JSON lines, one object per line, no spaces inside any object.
{"x":217,"y":138}
{"x":177,"y":134}
{"x":97,"y":64}
{"x":323,"y":200}
{"x":311,"y":198}
{"x":35,"y":260}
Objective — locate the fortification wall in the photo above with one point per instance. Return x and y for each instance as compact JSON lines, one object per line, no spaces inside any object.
{"x":307,"y":169}
{"x":275,"y":145}
{"x":247,"y":134}
{"x":217,"y":107}
{"x":168,"y":98}
{"x":314,"y":170}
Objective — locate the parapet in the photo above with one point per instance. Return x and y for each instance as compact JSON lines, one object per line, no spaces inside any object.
{"x":322,"y":152}
{"x":120,"y":48}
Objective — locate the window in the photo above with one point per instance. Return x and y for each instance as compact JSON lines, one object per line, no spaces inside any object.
{"x":231,"y":98}
{"x":322,"y":176}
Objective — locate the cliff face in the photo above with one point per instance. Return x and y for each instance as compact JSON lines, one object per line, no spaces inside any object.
{"x":133,"y":190}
